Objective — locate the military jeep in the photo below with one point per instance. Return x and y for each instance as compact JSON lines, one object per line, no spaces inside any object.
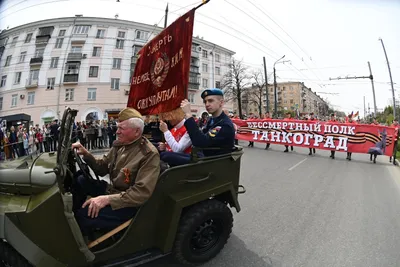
{"x":187,"y":215}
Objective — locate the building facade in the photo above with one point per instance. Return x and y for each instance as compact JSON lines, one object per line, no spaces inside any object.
{"x":86,"y":63}
{"x":291,"y":96}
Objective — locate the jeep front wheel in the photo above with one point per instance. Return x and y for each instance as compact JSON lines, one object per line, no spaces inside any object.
{"x":203,"y":232}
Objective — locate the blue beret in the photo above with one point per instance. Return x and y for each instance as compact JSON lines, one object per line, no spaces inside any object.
{"x":213,"y":91}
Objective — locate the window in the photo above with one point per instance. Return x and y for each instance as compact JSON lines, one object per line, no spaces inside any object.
{"x":136,"y":49}
{"x":8,"y":60}
{"x":117,"y":63}
{"x":22,"y":57}
{"x":217,"y":58}
{"x":54,"y":62}
{"x":81,"y":29}
{"x":28,"y":38}
{"x":115,"y":83}
{"x":14,"y":41}
{"x":121,"y":34}
{"x":33,"y":76}
{"x":284,"y":101}
{"x":91,"y":94}
{"x":271,"y":90}
{"x":191,"y":98}
{"x":31,"y":98}
{"x":142,"y":35}
{"x":76,"y":49}
{"x":217,"y":84}
{"x":61,"y":33}
{"x":218,"y":70}
{"x":39,"y":52}
{"x":59,"y":42}
{"x":17,"y":79}
{"x":291,"y":88}
{"x":69,"y":94}
{"x":93,"y":71}
{"x":291,"y":101}
{"x":204,"y":68}
{"x":205,"y":53}
{"x":1,"y":103}
{"x":3,"y":80}
{"x":205,"y":83}
{"x":283,"y":88}
{"x":119,"y":44}
{"x":100,"y":34}
{"x":14,"y":100}
{"x":72,"y":68}
{"x":96,"y":51}
{"x":50,"y":83}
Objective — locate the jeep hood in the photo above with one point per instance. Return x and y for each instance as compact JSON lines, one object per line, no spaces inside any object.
{"x":28,"y":175}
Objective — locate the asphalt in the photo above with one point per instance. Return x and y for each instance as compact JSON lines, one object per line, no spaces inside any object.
{"x":302,"y":210}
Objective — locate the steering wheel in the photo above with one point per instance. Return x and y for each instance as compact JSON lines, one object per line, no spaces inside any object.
{"x":84,"y":167}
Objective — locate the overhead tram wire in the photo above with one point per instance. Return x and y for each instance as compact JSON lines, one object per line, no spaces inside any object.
{"x":277,"y":24}
{"x":38,"y":4}
{"x":12,"y":6}
{"x":262,"y":25}
{"x":258,"y":21}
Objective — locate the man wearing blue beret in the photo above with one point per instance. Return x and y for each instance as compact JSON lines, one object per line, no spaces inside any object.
{"x":219,"y":130}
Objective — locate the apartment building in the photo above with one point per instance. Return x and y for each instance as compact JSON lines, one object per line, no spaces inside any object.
{"x":86,"y":63}
{"x":291,"y":96}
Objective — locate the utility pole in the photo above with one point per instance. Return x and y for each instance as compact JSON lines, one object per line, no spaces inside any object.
{"x":364,"y":107}
{"x":371,"y":77}
{"x":266,"y":86}
{"x":166,"y":17}
{"x":391,"y":80}
{"x":373,"y":87}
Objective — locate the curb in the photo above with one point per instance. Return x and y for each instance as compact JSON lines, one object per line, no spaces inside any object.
{"x":397,"y":163}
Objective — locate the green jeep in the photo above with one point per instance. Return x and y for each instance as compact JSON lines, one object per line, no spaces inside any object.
{"x":187,"y":215}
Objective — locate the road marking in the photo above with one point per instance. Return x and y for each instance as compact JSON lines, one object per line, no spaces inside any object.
{"x":297,"y":164}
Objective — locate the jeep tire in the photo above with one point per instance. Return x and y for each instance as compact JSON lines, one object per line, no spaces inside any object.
{"x":9,"y":257}
{"x":203,"y":232}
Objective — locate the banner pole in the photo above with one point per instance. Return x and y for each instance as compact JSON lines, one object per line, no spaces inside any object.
{"x":202,"y":4}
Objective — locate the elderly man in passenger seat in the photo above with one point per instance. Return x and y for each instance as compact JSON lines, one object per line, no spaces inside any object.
{"x":133,"y":164}
{"x":178,"y":143}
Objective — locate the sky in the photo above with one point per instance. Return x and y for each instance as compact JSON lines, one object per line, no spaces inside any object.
{"x":321,"y":39}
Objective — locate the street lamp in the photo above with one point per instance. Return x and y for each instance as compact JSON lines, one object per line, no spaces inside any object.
{"x":275,"y":96}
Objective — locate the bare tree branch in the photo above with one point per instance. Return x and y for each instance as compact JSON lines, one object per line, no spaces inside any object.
{"x":235,"y":83}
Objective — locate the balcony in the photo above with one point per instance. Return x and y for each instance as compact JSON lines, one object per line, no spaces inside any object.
{"x":42,"y":40}
{"x":194,"y":70}
{"x":195,"y":86}
{"x":36,"y":61}
{"x":31,"y":83}
{"x":74,"y":57}
{"x":71,"y":78}
{"x":195,"y":53}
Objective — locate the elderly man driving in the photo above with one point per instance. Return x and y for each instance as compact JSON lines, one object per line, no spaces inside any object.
{"x":133,"y":164}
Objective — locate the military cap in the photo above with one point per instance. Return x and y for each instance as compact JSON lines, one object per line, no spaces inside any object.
{"x":128,"y":113}
{"x":213,"y":91}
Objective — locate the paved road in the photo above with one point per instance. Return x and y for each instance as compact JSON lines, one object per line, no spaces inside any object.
{"x":313,"y":211}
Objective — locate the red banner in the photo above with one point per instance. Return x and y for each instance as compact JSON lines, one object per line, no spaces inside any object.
{"x":350,"y":137}
{"x":161,"y":76}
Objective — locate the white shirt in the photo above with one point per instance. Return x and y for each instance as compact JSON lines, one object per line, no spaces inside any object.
{"x":183,"y":143}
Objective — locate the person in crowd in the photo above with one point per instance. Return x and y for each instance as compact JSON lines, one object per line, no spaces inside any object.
{"x":288,"y":118}
{"x":395,"y":124}
{"x":267,"y":116}
{"x":312,"y":119}
{"x":178,"y":145}
{"x":133,"y":164}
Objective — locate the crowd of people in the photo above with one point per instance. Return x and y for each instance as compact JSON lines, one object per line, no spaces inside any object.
{"x":17,"y":141}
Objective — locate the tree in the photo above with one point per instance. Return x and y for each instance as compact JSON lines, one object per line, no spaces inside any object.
{"x":234,"y":83}
{"x":257,"y":90}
